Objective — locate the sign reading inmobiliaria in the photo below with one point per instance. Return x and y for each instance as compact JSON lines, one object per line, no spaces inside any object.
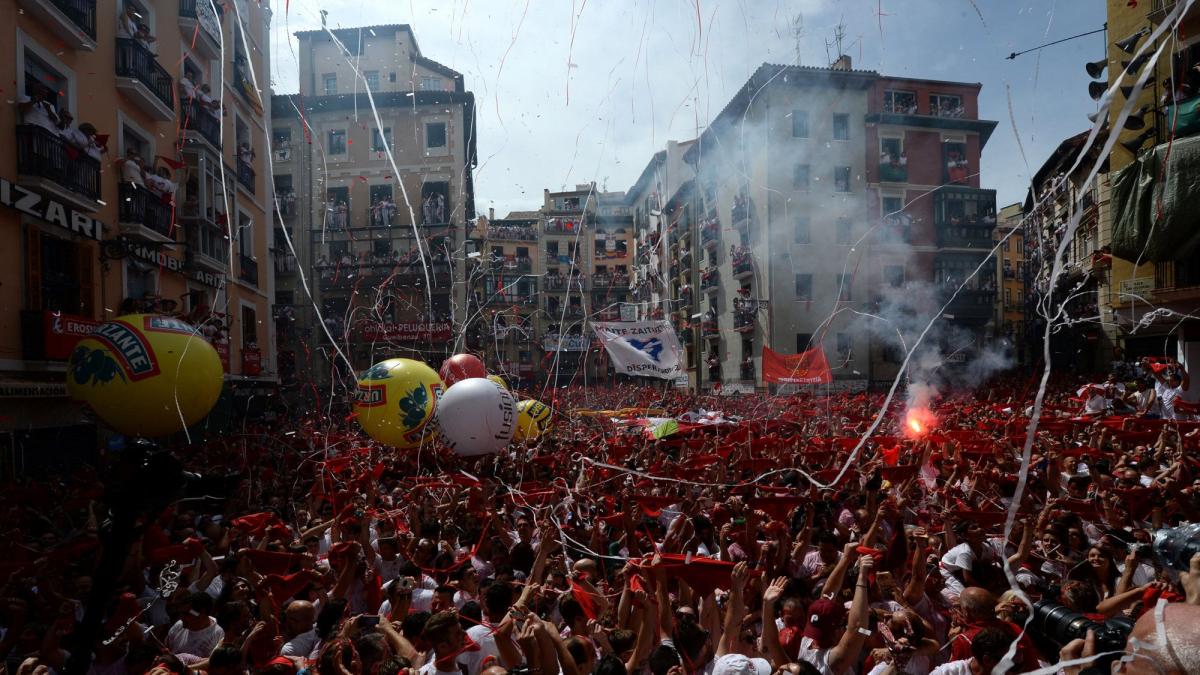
{"x":437,"y":331}
{"x":642,"y":348}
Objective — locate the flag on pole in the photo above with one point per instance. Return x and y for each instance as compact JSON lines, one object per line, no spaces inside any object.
{"x":642,"y":348}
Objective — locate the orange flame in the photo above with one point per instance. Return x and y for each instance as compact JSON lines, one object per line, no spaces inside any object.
{"x":918,"y":422}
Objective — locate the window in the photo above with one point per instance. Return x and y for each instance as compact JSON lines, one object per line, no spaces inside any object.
{"x":900,"y":102}
{"x":892,"y":206}
{"x":893,"y":275}
{"x":249,"y":328}
{"x":803,"y":230}
{"x":431,"y":83}
{"x":59,"y":274}
{"x":435,"y":135}
{"x":1007,"y":246}
{"x":803,"y":342}
{"x":844,"y":282}
{"x":281,"y":144}
{"x":372,"y":78}
{"x":800,"y":177}
{"x":132,"y":140}
{"x":943,"y":105}
{"x":799,"y":124}
{"x":954,"y":156}
{"x":329,"y":84}
{"x":843,"y":230}
{"x":141,"y":280}
{"x":841,"y":127}
{"x":391,"y":77}
{"x":804,"y":287}
{"x":845,"y":346}
{"x":337,"y":142}
{"x":1021,"y":245}
{"x":39,"y":72}
{"x":245,"y":235}
{"x":382,"y":248}
{"x":1007,"y":296}
{"x":381,"y":142}
{"x":841,"y":179}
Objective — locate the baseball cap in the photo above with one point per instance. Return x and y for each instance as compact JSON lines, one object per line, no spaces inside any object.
{"x":824,"y":618}
{"x":737,"y":664}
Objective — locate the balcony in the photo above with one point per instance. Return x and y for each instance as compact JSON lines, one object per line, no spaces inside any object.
{"x":559,"y":283}
{"x":381,"y":215}
{"x":747,"y":371}
{"x":567,"y":226}
{"x":73,"y":21}
{"x":710,"y":330}
{"x":739,"y":213}
{"x":710,"y":280}
{"x":964,"y":217}
{"x":710,"y":233}
{"x":245,"y":176}
{"x":742,"y":263}
{"x":200,"y":126}
{"x":511,"y":233}
{"x":282,"y":152}
{"x":200,"y":26}
{"x":893,"y":171}
{"x":970,"y":306}
{"x":144,"y":81}
{"x":48,"y":163}
{"x":248,"y":269}
{"x":285,"y":263}
{"x":600,"y":281}
{"x":143,"y":214}
{"x":743,"y":320}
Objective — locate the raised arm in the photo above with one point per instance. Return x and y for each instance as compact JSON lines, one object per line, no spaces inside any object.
{"x":770,"y":632}
{"x":734,"y":610}
{"x":845,"y":653}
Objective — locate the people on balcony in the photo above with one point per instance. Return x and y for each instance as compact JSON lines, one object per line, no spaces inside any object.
{"x":145,"y":39}
{"x":245,"y":154}
{"x":382,"y":212}
{"x":37,"y":110}
{"x":131,"y":168}
{"x":161,"y":185}
{"x":433,"y":208}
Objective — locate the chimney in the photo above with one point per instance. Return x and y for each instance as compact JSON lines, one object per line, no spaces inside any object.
{"x":842,"y":63}
{"x":491,"y":213}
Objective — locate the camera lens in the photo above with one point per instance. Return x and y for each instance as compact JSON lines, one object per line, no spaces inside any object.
{"x":1176,"y":546}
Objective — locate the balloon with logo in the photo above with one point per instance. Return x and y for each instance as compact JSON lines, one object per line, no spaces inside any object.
{"x":146,"y":374}
{"x":533,"y":419}
{"x":477,"y":417}
{"x":498,"y":380}
{"x":460,"y":367}
{"x":396,"y":400}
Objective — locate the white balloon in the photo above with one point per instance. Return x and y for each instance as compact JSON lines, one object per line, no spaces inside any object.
{"x":477,"y":416}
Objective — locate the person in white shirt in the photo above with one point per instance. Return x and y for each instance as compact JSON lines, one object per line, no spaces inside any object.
{"x":161,"y":184}
{"x":128,"y":25}
{"x":1169,"y":385}
{"x":445,"y":634}
{"x":37,"y":111}
{"x":300,"y":634}
{"x":196,"y":632}
{"x":987,"y":651}
{"x":131,"y":168}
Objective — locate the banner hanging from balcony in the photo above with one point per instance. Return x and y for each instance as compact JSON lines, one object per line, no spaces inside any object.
{"x":809,"y":367}
{"x":642,"y":348}
{"x":1154,"y":201}
{"x":438,"y":331}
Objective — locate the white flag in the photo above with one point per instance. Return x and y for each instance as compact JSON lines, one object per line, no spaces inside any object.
{"x":642,"y":348}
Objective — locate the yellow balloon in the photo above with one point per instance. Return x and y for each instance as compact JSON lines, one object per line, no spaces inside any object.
{"x":533,"y":419}
{"x":396,"y":400}
{"x":498,"y":380}
{"x":142,"y":373}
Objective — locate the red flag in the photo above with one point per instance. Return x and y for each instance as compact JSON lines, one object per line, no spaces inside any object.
{"x":587,"y":601}
{"x":173,"y":163}
{"x":809,"y":367}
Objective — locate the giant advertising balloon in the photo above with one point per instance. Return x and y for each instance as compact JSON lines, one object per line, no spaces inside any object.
{"x":533,"y":419}
{"x":498,"y":380}
{"x":477,"y":417}
{"x":396,"y":400}
{"x":460,"y":367}
{"x":146,"y":374}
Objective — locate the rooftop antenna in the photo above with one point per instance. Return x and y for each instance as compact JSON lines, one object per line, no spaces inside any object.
{"x":839,"y":37}
{"x":798,"y":35}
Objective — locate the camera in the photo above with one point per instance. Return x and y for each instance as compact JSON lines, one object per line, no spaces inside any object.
{"x":1176,"y":546}
{"x":1057,"y":625}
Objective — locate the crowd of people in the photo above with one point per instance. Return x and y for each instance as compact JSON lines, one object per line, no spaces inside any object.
{"x":37,"y":110}
{"x":766,"y":538}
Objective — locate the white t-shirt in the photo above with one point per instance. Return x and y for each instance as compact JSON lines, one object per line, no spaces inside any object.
{"x":962,"y":667}
{"x":961,"y":559}
{"x":201,"y":643}
{"x":819,"y":658}
{"x":432,"y":669}
{"x":131,"y":172}
{"x":1166,"y":398}
{"x":301,"y":645}
{"x":42,"y":114}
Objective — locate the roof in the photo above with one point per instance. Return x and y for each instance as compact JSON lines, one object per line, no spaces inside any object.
{"x":1062,"y":158}
{"x":647,"y":173}
{"x":523,"y":215}
{"x":374,"y":30}
{"x":443,"y":69}
{"x":774,"y":74}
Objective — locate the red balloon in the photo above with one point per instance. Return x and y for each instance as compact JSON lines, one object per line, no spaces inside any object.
{"x":461,"y":367}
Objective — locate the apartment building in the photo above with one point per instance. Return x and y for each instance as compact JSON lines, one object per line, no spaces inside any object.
{"x":105,"y":96}
{"x":374,"y":161}
{"x":811,"y":193}
{"x":1164,"y":129}
{"x":1009,"y":304}
{"x":1058,"y":196}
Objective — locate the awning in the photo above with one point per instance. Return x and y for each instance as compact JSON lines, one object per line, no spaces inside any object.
{"x":1154,"y":206}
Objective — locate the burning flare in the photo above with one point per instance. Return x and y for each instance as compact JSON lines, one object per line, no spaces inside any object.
{"x":918,"y":422}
